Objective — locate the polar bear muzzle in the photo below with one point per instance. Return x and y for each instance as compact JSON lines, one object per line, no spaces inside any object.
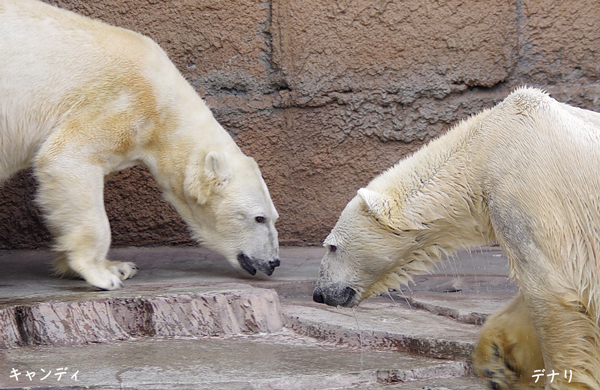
{"x":335,"y":295}
{"x":252,"y":265}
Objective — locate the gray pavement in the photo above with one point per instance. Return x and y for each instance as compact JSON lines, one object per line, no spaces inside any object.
{"x":188,"y":320}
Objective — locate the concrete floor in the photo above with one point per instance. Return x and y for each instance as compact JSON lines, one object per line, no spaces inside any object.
{"x":166,"y":329}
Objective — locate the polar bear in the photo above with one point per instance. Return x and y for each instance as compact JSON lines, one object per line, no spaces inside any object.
{"x":525,"y":174}
{"x":508,"y":353}
{"x":81,"y":100}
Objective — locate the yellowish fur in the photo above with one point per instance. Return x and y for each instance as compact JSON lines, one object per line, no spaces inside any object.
{"x":80,"y":100}
{"x":508,"y":354}
{"x":523,"y":174}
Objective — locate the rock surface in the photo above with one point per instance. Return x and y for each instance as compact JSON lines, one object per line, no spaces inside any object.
{"x":203,"y":313}
{"x":188,"y":320}
{"x":326,"y":94}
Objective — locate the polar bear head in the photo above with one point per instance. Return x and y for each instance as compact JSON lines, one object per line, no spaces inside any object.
{"x":371,"y":248}
{"x":230,"y":211}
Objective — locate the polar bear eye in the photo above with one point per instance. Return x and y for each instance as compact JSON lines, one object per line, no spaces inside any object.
{"x":332,"y":248}
{"x":260,"y":219}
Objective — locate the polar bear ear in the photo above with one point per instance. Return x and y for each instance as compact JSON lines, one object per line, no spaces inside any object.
{"x":375,"y":202}
{"x":381,"y":209}
{"x":216,"y":166}
{"x":201,"y":181}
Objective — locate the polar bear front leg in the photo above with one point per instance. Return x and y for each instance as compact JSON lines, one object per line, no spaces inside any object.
{"x":508,"y":353}
{"x":71,"y":196}
{"x":123,"y":270}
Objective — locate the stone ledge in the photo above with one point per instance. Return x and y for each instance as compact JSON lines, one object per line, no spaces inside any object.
{"x":208,"y":313}
{"x":441,"y":371}
{"x":382,"y":325}
{"x":282,"y":360}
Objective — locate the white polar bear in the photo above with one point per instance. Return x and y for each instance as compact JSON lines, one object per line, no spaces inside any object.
{"x":526,"y":174}
{"x":80,"y":100}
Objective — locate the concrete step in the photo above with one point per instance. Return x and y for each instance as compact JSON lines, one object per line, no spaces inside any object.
{"x":158,"y":332}
{"x":280,"y":360}
{"x":157,"y":339}
{"x":385,"y":326}
{"x":124,"y":315}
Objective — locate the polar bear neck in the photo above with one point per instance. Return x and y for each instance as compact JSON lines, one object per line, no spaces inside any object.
{"x":437,"y":190}
{"x":433,"y":205}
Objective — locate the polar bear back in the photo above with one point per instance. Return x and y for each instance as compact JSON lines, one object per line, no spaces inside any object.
{"x":54,"y":60}
{"x":540,"y":165}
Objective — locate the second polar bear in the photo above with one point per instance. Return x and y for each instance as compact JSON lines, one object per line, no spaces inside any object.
{"x":80,"y":100}
{"x":525,"y":174}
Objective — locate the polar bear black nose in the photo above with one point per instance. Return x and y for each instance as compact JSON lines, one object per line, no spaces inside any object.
{"x":274,"y":263}
{"x":342,"y":297}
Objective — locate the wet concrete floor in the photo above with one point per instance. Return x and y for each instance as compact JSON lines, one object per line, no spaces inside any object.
{"x":413,"y":338}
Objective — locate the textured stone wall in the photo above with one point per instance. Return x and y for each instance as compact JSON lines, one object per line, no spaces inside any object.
{"x":325,"y":94}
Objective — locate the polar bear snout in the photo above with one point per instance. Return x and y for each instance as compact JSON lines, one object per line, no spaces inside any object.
{"x":271,"y":268}
{"x":273,"y":264}
{"x":335,"y":296}
{"x":252,"y":265}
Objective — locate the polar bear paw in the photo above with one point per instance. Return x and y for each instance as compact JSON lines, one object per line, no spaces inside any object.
{"x":104,"y":279}
{"x":493,"y":364}
{"x":122,"y":270}
{"x":508,"y":352}
{"x":110,"y":274}
{"x":106,"y":275}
